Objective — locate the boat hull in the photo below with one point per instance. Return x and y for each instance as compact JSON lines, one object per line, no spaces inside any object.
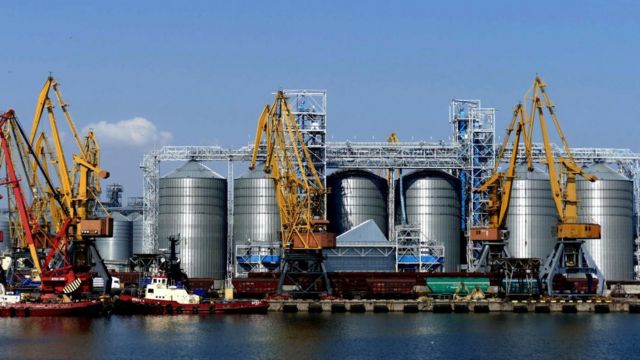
{"x":81,"y":308}
{"x":126,"y":304}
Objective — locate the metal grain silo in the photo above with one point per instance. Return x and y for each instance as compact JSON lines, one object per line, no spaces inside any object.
{"x":5,"y":244}
{"x":256,"y":217}
{"x":118,"y":247}
{"x":432,"y":200}
{"x":355,"y":197}
{"x":609,"y":202}
{"x":136,"y":233}
{"x":532,"y":216}
{"x":193,"y":204}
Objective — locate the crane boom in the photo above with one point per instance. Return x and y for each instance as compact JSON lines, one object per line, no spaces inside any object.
{"x":564,"y":194}
{"x":288,"y":161}
{"x":500,"y":184}
{"x":14,"y":183}
{"x":80,"y":184}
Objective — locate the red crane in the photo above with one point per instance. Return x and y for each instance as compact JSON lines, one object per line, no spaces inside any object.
{"x":73,"y":259}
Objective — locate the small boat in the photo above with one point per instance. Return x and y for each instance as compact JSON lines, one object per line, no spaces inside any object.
{"x":87,"y":308}
{"x":164,"y":299}
{"x":11,"y":305}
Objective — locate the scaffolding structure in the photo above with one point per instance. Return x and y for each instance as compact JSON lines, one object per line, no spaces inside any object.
{"x":470,"y":155}
{"x":474,"y":133}
{"x":416,"y":253}
{"x":308,"y":107}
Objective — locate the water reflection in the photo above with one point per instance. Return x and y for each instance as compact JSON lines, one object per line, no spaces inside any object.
{"x":317,"y":336}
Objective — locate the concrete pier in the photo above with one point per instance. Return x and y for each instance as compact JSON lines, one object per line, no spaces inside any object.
{"x":459,"y":307}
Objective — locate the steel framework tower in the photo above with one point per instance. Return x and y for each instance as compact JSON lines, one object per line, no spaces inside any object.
{"x":415,"y":253}
{"x":309,"y":108}
{"x":474,"y":132}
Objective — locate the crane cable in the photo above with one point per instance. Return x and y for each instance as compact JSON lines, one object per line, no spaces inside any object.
{"x":56,"y":195}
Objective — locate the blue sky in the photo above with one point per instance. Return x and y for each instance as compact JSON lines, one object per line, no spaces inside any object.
{"x":199,"y":72}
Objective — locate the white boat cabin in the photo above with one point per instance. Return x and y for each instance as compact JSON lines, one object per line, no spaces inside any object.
{"x":160,"y":290}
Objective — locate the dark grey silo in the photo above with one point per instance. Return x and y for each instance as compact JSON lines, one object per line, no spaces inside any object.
{"x":137,"y":233}
{"x":355,"y":197}
{"x":118,"y":247}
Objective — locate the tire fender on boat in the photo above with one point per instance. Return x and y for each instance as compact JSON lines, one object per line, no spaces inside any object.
{"x":12,"y":312}
{"x":179,"y":310}
{"x":169,"y":309}
{"x":27,"y":312}
{"x":212,"y":309}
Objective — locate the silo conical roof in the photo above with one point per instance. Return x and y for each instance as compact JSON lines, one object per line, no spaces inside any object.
{"x":523,"y":173}
{"x":135,"y":216}
{"x":604,"y":172}
{"x":119,"y":216}
{"x":193,"y":169}
{"x":256,"y":173}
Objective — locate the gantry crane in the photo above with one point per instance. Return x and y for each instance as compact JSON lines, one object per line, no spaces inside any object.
{"x":69,"y":263}
{"x":300,"y":196}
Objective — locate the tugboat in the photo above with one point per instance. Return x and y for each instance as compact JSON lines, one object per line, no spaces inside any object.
{"x":162,"y":297}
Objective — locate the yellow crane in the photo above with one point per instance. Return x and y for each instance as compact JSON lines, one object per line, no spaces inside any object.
{"x":299,"y":192}
{"x":500,"y":183}
{"x":79,"y":185}
{"x":491,"y":238}
{"x":564,"y":194}
{"x":568,"y":256}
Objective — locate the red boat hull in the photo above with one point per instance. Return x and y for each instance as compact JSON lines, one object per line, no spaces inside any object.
{"x":133,"y":305}
{"x":81,"y":308}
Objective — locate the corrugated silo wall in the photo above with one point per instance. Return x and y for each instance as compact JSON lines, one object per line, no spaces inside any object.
{"x":196,"y":209}
{"x":432,"y":200}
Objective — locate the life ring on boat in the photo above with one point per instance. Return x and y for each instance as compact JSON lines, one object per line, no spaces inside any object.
{"x":12,"y":312}
{"x":27,"y":312}
{"x":179,"y":310}
{"x":169,"y":309}
{"x":212,"y":309}
{"x":195,"y":310}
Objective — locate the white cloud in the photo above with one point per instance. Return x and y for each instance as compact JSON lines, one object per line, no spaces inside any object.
{"x":133,"y":132}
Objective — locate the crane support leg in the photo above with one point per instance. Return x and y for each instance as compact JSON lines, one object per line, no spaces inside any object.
{"x":490,"y":254}
{"x":99,"y":267}
{"x":570,"y":257}
{"x":303,"y":274}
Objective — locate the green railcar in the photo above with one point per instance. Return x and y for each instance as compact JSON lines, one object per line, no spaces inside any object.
{"x":452,"y":285}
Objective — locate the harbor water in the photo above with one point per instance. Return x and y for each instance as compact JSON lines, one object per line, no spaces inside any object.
{"x":324,"y":336}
